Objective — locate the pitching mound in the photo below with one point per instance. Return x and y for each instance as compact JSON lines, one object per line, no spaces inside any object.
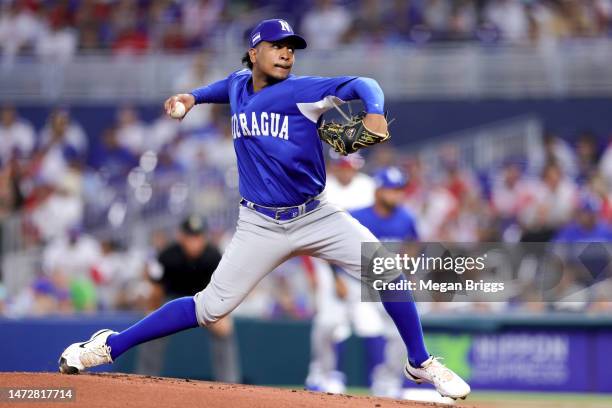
{"x":131,"y":391}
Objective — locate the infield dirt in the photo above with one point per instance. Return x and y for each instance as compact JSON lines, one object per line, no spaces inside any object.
{"x":131,"y":391}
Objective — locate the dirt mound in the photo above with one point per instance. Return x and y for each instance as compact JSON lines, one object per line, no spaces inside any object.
{"x":128,"y":391}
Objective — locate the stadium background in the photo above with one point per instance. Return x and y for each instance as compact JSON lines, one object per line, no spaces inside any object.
{"x":503,"y":122}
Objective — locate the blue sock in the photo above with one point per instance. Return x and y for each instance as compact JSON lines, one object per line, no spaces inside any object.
{"x":402,"y":309}
{"x":172,"y":317}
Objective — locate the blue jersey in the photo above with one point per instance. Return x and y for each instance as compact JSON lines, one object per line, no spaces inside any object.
{"x":398,"y":226}
{"x":278,"y":150}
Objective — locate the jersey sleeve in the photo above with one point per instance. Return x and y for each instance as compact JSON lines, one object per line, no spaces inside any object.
{"x":315,"y":95}
{"x":313,"y":89}
{"x":217,"y":92}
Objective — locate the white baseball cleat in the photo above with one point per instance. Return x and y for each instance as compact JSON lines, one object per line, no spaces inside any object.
{"x":447,"y":383}
{"x":93,"y":352}
{"x":335,"y":383}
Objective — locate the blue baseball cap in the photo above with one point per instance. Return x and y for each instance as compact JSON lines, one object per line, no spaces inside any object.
{"x":390,"y":177}
{"x":274,"y":30}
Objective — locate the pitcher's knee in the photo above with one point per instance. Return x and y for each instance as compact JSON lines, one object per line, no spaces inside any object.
{"x":210,"y":308}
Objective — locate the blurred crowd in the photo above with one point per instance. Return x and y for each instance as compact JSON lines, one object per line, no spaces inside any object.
{"x":528,"y":199}
{"x":55,"y":30}
{"x":66,"y":184}
{"x":59,"y":184}
{"x":59,"y":176}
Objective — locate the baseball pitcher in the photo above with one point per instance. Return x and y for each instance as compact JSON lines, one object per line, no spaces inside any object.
{"x":283,"y":210}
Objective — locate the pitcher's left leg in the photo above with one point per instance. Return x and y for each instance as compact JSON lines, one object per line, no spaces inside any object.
{"x":336,"y":237}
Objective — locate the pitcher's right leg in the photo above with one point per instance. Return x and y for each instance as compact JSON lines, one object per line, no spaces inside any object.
{"x":258,"y":246}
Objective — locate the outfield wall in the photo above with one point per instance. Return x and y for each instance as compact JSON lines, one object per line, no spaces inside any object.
{"x":548,"y":353}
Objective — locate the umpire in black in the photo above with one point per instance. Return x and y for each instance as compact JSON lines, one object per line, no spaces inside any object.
{"x":183,"y":269}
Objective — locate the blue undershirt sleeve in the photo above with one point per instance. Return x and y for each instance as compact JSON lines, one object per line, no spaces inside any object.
{"x":217,"y":92}
{"x":366,"y":89}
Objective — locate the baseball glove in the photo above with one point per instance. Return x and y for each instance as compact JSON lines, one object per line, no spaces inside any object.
{"x":347,"y":138}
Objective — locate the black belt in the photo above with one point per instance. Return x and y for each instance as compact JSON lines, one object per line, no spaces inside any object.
{"x":282,"y":213}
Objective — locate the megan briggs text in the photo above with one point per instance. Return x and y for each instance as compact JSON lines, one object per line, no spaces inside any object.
{"x":467,"y":285}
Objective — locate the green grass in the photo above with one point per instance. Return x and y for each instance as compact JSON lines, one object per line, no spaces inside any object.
{"x":496,"y":399}
{"x":541,"y":396}
{"x":539,"y":400}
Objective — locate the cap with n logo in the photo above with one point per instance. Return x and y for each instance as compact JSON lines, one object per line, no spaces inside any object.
{"x":275,"y":30}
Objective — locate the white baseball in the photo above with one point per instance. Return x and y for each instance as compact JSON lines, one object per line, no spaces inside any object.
{"x":178,"y":111}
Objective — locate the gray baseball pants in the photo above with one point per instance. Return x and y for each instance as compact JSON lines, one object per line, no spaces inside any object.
{"x":260,"y":244}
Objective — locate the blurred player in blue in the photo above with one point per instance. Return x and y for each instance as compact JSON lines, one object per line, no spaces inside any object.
{"x":586,"y":226}
{"x":283,"y":211}
{"x":387,"y":219}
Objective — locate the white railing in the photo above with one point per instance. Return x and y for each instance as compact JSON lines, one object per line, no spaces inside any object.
{"x":126,"y":218}
{"x":484,"y":147}
{"x":574,"y":68}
